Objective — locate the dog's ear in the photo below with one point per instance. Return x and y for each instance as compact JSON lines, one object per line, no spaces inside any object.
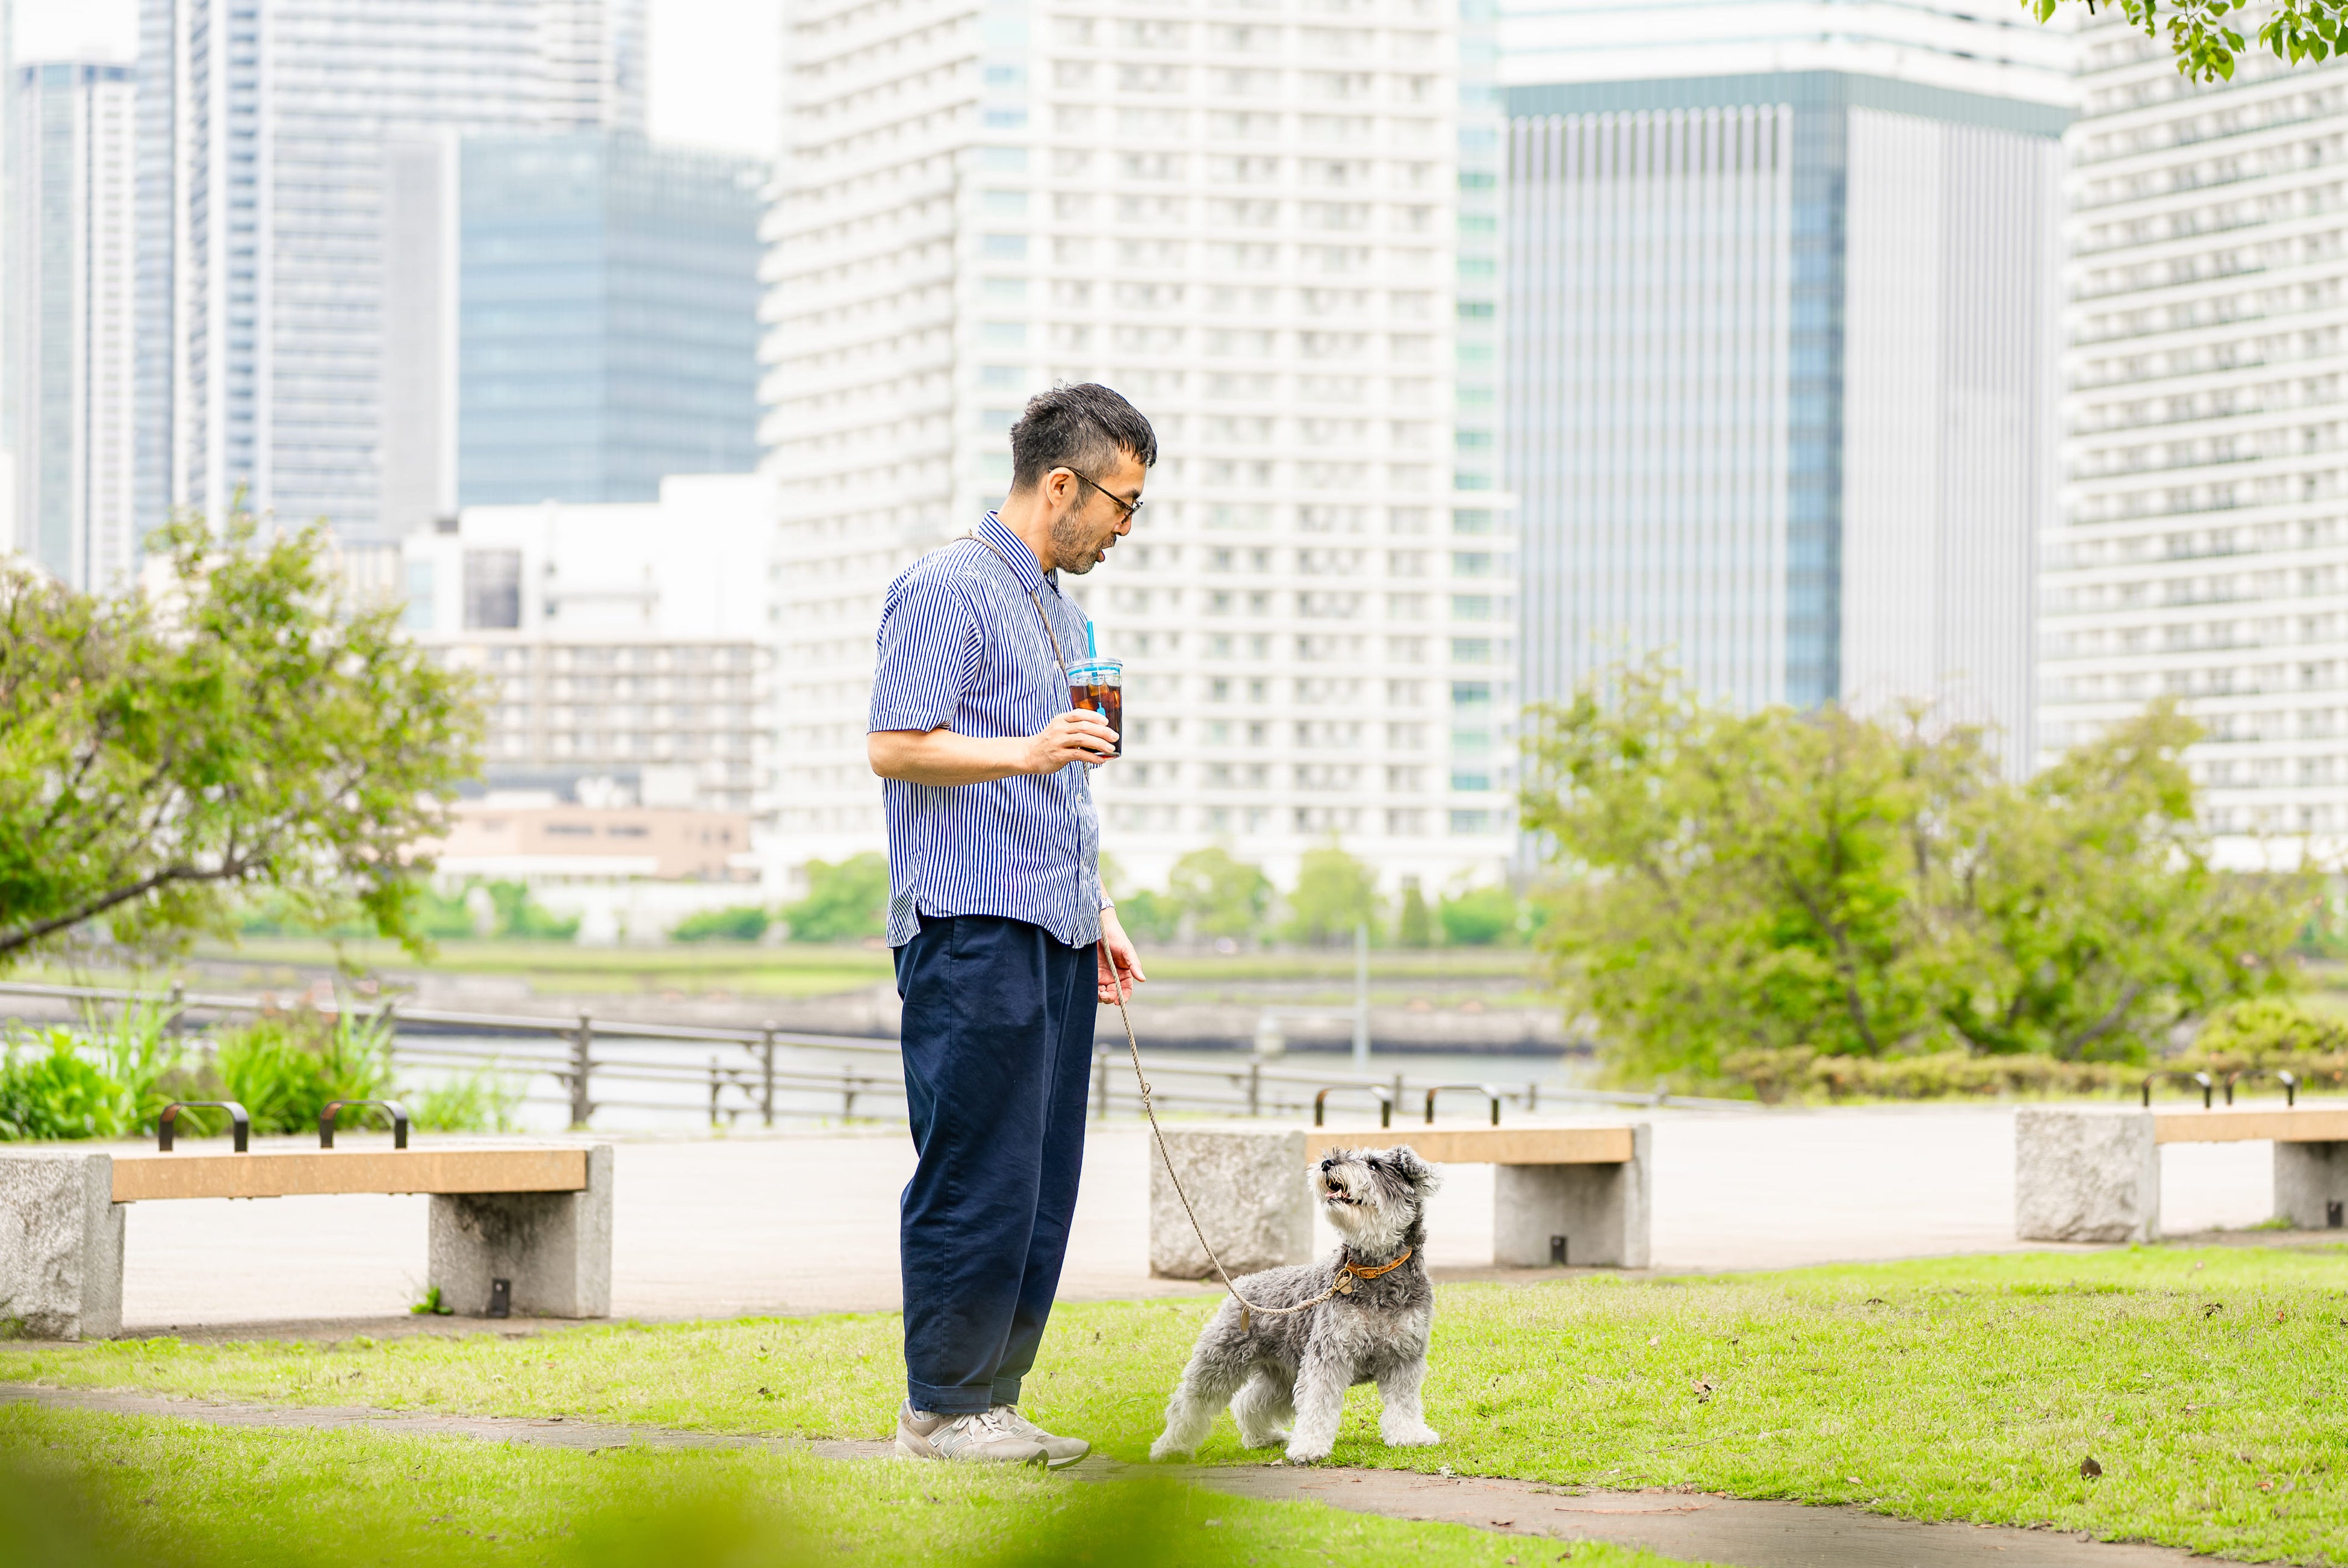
{"x":1421,"y":1175}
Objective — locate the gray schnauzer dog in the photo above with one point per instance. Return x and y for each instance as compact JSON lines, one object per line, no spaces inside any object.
{"x":1285,"y":1376}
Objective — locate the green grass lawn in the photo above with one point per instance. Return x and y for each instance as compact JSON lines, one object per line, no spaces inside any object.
{"x":79,"y":1490}
{"x":2205,"y":1382}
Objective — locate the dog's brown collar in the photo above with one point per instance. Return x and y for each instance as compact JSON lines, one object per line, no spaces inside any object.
{"x":1358,"y":1272}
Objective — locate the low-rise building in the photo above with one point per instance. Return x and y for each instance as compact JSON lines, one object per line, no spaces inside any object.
{"x":628,"y":644}
{"x":533,"y":836}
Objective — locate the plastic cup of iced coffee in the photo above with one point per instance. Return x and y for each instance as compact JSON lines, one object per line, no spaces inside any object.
{"x":1097,"y":685}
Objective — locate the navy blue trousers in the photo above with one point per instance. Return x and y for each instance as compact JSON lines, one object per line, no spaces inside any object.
{"x":998,"y":1036}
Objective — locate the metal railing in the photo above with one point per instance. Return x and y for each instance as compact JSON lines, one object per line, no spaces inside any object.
{"x":768,"y":1074}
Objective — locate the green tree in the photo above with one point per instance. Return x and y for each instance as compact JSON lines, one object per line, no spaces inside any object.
{"x":1149,"y":917}
{"x":162,"y":759}
{"x":1334,"y":892}
{"x":844,"y":902}
{"x":1480,"y":917}
{"x":1223,"y":896}
{"x":2207,"y":38}
{"x":1779,"y":879}
{"x":2080,"y":913}
{"x":1412,"y":927}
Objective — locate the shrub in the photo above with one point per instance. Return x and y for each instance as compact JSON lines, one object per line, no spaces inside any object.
{"x":844,"y":902}
{"x":519,"y":915}
{"x":283,"y":1068}
{"x":741,"y":923}
{"x":1480,"y":917}
{"x":49,"y":1089}
{"x":483,"y":1101}
{"x":2264,"y":1028}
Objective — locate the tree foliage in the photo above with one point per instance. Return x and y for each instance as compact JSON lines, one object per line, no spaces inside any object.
{"x":2207,"y":35}
{"x":1731,"y":882}
{"x":1223,"y":896}
{"x":1334,"y":892}
{"x":249,"y":730}
{"x":846,"y":900}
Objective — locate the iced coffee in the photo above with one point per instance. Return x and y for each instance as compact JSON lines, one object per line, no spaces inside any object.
{"x":1098,"y":686}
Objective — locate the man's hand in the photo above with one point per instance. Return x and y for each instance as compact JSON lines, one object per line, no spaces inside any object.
{"x":1078,"y":735}
{"x":1117,"y":966}
{"x":940,"y":756}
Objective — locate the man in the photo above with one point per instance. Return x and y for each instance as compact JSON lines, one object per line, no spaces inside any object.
{"x":1004,"y":940}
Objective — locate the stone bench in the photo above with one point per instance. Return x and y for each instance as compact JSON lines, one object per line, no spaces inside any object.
{"x":2094,"y":1174}
{"x":540,"y":1218}
{"x":1572,"y":1195}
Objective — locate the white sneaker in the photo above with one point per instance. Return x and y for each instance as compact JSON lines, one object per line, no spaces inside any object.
{"x":982,"y":1438}
{"x":1059,"y":1451}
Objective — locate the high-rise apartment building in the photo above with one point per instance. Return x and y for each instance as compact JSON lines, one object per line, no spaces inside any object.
{"x":607,"y":316}
{"x":69,"y":307}
{"x":2203,"y":552}
{"x":1782,"y":344}
{"x":288,"y":347}
{"x":1274,"y":227}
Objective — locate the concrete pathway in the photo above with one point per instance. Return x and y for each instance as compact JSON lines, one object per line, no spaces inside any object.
{"x":807,"y":1221}
{"x":1696,"y":1526}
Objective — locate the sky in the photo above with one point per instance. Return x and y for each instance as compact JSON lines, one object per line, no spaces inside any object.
{"x":716,"y":76}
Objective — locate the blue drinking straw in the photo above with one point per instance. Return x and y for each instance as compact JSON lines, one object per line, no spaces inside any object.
{"x":1092,"y":647}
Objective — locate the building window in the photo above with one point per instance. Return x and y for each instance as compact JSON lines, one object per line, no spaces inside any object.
{"x":1469,"y":822}
{"x":492,"y":590}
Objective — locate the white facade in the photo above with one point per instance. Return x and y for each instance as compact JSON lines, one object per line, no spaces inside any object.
{"x":68,"y":305}
{"x":1987,"y":46}
{"x":278,"y":145}
{"x":629,"y":642}
{"x":2204,"y":550}
{"x":1250,"y":221}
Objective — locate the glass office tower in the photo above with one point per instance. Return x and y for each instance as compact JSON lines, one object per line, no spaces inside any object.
{"x":1781,"y":367}
{"x":607,"y":317}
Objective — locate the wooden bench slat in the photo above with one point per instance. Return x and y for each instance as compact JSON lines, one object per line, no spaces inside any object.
{"x":279,"y":1173}
{"x":2239,"y":1123}
{"x":1485,"y":1145}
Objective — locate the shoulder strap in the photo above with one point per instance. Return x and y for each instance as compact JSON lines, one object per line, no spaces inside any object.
{"x":1034,"y":597}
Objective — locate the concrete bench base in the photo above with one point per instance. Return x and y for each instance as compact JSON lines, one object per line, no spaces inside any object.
{"x":61,"y":1230}
{"x":1254,"y":1196}
{"x":554,"y":1248}
{"x":2311,"y":1183}
{"x":60,"y":1246}
{"x":2091,"y":1174}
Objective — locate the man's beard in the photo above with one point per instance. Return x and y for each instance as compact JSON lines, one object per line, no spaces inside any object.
{"x":1073,"y":547}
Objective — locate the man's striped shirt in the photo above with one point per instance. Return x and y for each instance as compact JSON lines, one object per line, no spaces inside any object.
{"x":961,"y":645}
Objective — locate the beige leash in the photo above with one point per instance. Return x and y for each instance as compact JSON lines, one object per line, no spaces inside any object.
{"x":1346,"y":1276}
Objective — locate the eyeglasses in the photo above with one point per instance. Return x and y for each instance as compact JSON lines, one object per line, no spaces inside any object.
{"x":1126,"y":508}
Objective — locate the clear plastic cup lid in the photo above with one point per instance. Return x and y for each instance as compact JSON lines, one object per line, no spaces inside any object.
{"x":1084,"y":669}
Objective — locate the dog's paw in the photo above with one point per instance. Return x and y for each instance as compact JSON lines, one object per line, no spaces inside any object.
{"x":1307,"y":1453}
{"x":1164,"y":1448}
{"x":1415,"y":1438}
{"x":1264,"y":1441}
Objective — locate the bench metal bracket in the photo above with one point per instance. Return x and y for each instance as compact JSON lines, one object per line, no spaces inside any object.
{"x":240,"y":1124}
{"x":335,"y":1108}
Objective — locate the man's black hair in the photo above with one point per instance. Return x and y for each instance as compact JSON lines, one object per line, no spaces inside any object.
{"x":1083,"y":427}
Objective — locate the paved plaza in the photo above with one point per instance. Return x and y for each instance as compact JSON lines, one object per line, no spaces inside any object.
{"x":807,"y":1221}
